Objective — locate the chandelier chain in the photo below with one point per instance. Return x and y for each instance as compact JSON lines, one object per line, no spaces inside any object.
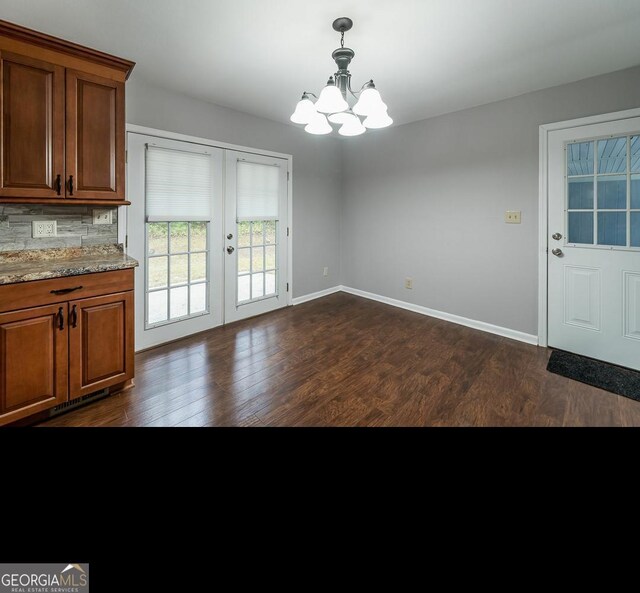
{"x":342,"y":39}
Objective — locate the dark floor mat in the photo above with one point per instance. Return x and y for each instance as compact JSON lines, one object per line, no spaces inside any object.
{"x":600,"y":374}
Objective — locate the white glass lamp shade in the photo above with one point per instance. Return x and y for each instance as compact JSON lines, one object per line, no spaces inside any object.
{"x":369,"y":103}
{"x":331,"y":100}
{"x":318,"y":125}
{"x":305,"y":112}
{"x":344,"y":117}
{"x":352,"y":129}
{"x":378,"y":120}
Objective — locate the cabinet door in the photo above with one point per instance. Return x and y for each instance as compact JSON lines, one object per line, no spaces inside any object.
{"x":100,"y":342}
{"x":95,"y":137}
{"x":33,"y":361}
{"x":32,"y":127}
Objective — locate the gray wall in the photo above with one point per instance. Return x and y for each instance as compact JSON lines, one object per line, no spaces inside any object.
{"x":75,"y":226}
{"x":427,"y":200}
{"x":316,"y":169}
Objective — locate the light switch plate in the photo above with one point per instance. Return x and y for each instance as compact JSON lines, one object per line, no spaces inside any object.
{"x":44,"y":228}
{"x":102,"y":216}
{"x":512,"y":216}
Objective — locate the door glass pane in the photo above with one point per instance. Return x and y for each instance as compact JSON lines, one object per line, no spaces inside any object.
{"x":635,"y":154}
{"x":270,"y":232}
{"x":581,"y":227}
{"x":244,"y":288}
{"x":612,"y":192}
{"x":612,"y":228}
{"x":270,"y":257}
{"x":635,"y":192}
{"x":158,"y":269}
{"x":198,"y":302}
{"x":198,"y":236}
{"x":244,"y":231}
{"x":581,"y":193}
{"x":256,"y":233}
{"x":198,"y":267}
{"x":635,"y":229}
{"x":257,"y":258}
{"x":179,"y":237}
{"x":270,"y":283}
{"x":179,"y":269}
{"x":580,"y":158}
{"x":157,"y":306}
{"x":157,"y":238}
{"x":257,"y":285}
{"x":178,"y":302}
{"x":612,"y":155}
{"x":244,"y":260}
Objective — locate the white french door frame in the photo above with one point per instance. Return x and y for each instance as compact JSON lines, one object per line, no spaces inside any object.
{"x":123,"y":218}
{"x":543,"y":204}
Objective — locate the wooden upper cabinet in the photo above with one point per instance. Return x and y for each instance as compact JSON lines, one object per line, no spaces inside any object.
{"x":32,"y":127}
{"x":62,"y":114}
{"x":95,"y":137}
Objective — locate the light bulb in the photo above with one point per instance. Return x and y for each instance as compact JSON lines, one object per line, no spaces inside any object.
{"x":331,"y":99}
{"x":318,"y":125}
{"x":369,"y":103}
{"x":305,"y":111}
{"x":378,"y":120}
{"x":352,"y":129}
{"x":343,"y":117}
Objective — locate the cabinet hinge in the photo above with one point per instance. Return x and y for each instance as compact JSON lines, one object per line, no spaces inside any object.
{"x":287,"y":231}
{"x":287,"y":287}
{"x":287,"y":175}
{"x":126,"y":156}
{"x":126,"y":241}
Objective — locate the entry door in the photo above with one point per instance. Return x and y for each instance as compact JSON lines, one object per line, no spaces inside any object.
{"x":175,"y":228}
{"x":255,"y":235}
{"x":594,"y":241}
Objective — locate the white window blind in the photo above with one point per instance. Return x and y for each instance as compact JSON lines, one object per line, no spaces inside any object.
{"x":179,"y":185}
{"x":258,"y":188}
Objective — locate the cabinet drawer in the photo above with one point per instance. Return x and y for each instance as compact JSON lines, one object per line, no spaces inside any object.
{"x":57,"y":290}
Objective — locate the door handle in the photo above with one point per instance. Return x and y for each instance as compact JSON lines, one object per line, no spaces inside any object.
{"x":230,"y":250}
{"x":70,"y":185}
{"x":557,"y":252}
{"x":65,"y":290}
{"x":60,"y":317}
{"x":73,"y":318}
{"x":58,"y":184}
{"x":556,"y":236}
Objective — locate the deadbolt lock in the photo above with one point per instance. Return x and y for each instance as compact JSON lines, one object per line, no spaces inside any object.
{"x":556,"y":236}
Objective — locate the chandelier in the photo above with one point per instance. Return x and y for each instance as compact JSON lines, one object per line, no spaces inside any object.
{"x":332,"y":106}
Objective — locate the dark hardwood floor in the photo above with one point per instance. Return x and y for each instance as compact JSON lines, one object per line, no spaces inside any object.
{"x":347,"y":361}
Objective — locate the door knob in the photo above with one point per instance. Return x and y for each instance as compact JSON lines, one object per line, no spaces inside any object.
{"x":557,"y":252}
{"x":229,"y":236}
{"x":230,"y":250}
{"x":556,"y":236}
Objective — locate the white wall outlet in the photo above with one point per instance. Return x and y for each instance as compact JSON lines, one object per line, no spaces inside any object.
{"x":325,"y":271}
{"x":512,"y":216}
{"x":102,"y":216}
{"x":44,"y":228}
{"x":408,"y":282}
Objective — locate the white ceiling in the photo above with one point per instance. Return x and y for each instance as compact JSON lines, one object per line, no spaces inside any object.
{"x":427,"y":57}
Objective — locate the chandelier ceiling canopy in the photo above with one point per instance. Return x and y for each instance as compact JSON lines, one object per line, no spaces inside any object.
{"x":369,"y":111}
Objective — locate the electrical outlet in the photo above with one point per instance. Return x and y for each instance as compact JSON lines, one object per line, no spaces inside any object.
{"x":512,"y":216}
{"x":325,"y":272}
{"x":44,"y":228}
{"x":408,"y":282}
{"x":102,"y":216}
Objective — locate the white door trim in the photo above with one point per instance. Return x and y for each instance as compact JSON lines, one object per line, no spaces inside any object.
{"x":543,"y":203}
{"x":123,"y":229}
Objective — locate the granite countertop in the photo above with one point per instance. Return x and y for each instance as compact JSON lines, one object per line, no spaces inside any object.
{"x":40,"y":264}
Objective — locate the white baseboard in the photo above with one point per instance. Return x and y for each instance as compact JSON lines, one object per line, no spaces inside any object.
{"x":315,"y":295}
{"x":481,"y":325}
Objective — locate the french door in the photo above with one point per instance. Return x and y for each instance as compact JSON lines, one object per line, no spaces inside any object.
{"x":594,"y":241}
{"x":255,"y":235}
{"x":208,"y":227}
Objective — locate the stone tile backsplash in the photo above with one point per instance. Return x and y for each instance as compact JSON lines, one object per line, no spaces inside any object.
{"x":75,"y":226}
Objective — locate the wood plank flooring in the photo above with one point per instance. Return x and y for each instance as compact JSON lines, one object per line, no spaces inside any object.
{"x":347,"y":361}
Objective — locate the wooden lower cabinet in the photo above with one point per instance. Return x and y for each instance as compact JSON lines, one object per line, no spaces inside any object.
{"x":33,"y":361}
{"x":100,"y":342}
{"x":58,"y":352}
